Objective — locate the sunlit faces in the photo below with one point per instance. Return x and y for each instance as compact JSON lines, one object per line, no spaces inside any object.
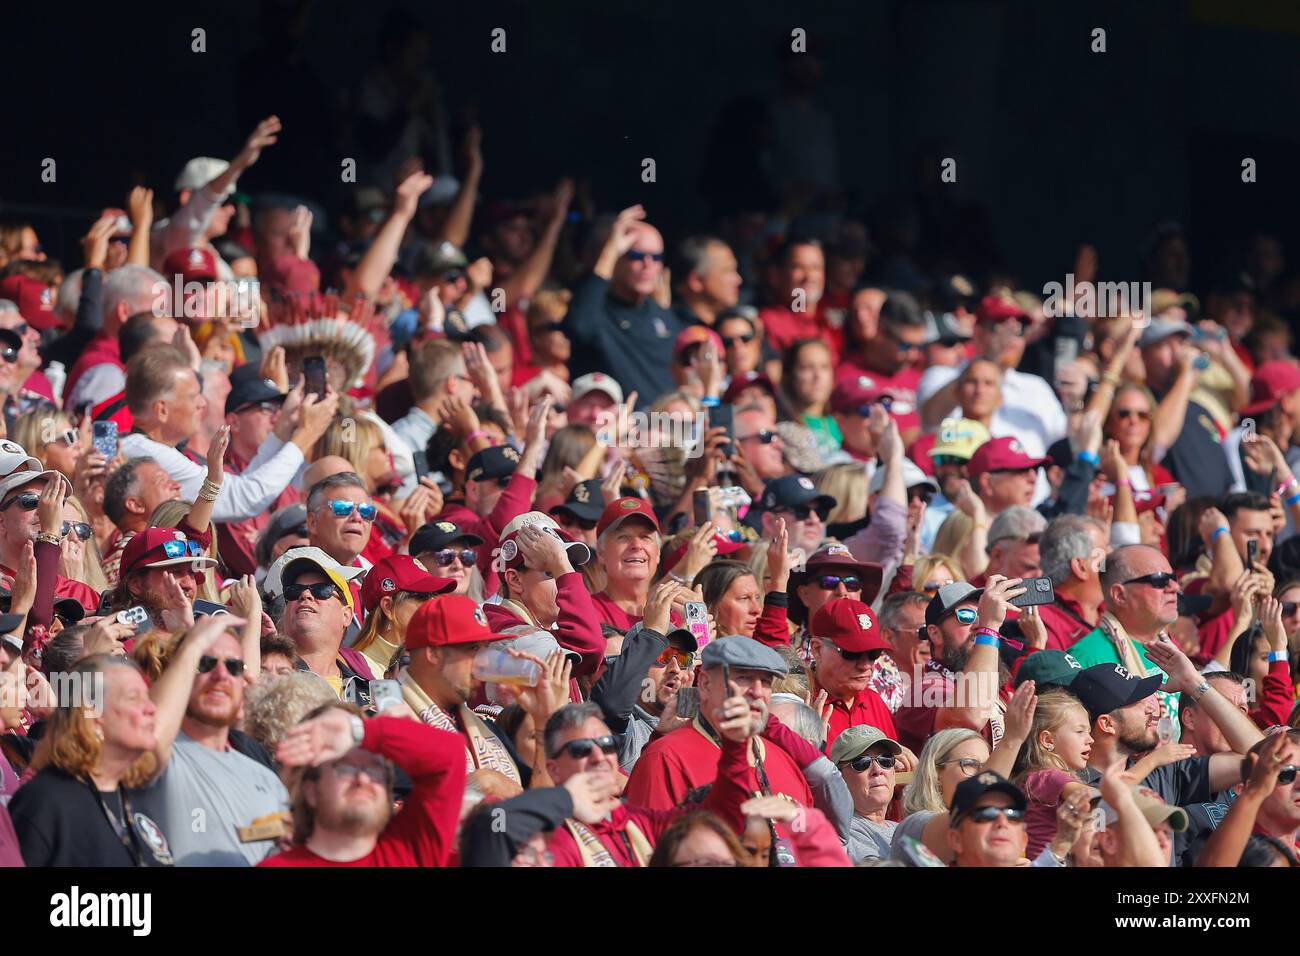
{"x":351,"y":795}
{"x":996,"y":842}
{"x":840,"y":677}
{"x":218,"y":695}
{"x":153,"y":487}
{"x":180,"y":411}
{"x":342,"y":537}
{"x":739,"y":608}
{"x":962,"y":762}
{"x":450,"y":562}
{"x":872,"y":788}
{"x":595,"y":750}
{"x":630,"y":552}
{"x":637,"y":272}
{"x":1248,"y":525}
{"x":535,"y":590}
{"x":754,"y":685}
{"x":310,"y":619}
{"x":128,"y":721}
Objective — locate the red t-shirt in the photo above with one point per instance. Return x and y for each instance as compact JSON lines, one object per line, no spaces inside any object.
{"x":867,"y":708}
{"x":902,"y":385}
{"x":782,"y":327}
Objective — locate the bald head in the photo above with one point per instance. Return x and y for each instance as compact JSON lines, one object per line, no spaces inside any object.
{"x":322,"y":468}
{"x":638,"y":271}
{"x":1143,"y":608}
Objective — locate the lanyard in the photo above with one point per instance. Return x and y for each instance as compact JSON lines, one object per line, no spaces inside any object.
{"x":123,"y":830}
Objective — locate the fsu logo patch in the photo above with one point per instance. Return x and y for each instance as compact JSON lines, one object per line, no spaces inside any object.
{"x":864,"y":621}
{"x":630,"y":504}
{"x":509,"y":550}
{"x":387,"y":584}
{"x":446,"y":527}
{"x":581,"y":492}
{"x":152,"y":836}
{"x":806,"y":483}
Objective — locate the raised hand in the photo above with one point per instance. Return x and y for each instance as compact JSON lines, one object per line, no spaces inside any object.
{"x":594,"y":794}
{"x":1020,"y":712}
{"x":263,"y":136}
{"x":177,"y":612}
{"x":996,"y":600}
{"x":407,"y":196}
{"x":318,"y":740}
{"x":275,"y":368}
{"x":217,"y":454}
{"x":659,"y":605}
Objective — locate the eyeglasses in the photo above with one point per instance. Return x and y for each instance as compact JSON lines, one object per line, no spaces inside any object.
{"x":1289,"y":608}
{"x":1126,"y":413}
{"x":803,"y":512}
{"x":1159,"y":580}
{"x":731,"y":341}
{"x":968,"y":765}
{"x":633,"y":255}
{"x":920,"y":493}
{"x":321,"y":591}
{"x":989,"y":814}
{"x":684,"y":659}
{"x":863,"y":764}
{"x":948,"y":460}
{"x":234,"y":666}
{"x":28,"y":501}
{"x":84,"y":531}
{"x":1287,"y":774}
{"x":179,"y":549}
{"x":9,"y":354}
{"x":377,"y":772}
{"x":829,"y":582}
{"x":445,"y":558}
{"x":344,"y":509}
{"x":932,"y":587}
{"x":764,"y":436}
{"x":578,"y":749}
{"x":965,"y":615}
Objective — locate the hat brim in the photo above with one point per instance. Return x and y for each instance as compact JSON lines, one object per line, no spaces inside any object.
{"x":684,"y":637}
{"x":171,"y":562}
{"x":893,"y":746}
{"x":1144,"y":688}
{"x":1019,"y":800}
{"x":579,"y":510}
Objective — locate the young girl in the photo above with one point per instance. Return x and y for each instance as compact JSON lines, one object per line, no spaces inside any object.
{"x":1057,"y":749}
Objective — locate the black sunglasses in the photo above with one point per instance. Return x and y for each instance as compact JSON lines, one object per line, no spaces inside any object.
{"x":1287,"y":774}
{"x":1159,"y":580}
{"x":444,"y":558}
{"x":922,"y":492}
{"x":765,"y":437}
{"x":1288,"y":608}
{"x":829,"y":582}
{"x":28,"y":501}
{"x":803,"y":512}
{"x":234,"y":666}
{"x":83,"y":530}
{"x":854,"y":656}
{"x":863,"y":764}
{"x":321,"y":591}
{"x":9,"y":354}
{"x":989,"y":814}
{"x":578,"y":749}
{"x":731,"y":341}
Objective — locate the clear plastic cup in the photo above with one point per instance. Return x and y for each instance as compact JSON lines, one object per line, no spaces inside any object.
{"x":494,"y":666}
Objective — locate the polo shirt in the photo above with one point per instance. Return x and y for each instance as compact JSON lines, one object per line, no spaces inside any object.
{"x":867,"y":708}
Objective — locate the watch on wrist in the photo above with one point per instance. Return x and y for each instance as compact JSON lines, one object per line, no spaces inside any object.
{"x":358,"y":729}
{"x":1199,"y":691}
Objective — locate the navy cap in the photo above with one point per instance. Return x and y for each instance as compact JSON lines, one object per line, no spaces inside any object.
{"x":436,"y":535}
{"x":498,"y":461}
{"x":792,"y":491}
{"x":1103,"y":688}
{"x":740,"y":651}
{"x":971,"y":789}
{"x":586,"y":501}
{"x":247,"y":387}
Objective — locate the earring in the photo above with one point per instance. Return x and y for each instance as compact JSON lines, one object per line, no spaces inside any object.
{"x":1049,"y":747}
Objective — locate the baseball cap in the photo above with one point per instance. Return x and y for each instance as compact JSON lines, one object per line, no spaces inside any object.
{"x":1048,"y":667}
{"x":745,"y":380}
{"x":850,"y":395}
{"x":436,"y":535}
{"x":400,"y":572}
{"x":35,"y":300}
{"x":620,"y":509}
{"x":578,"y":552}
{"x":597,"y":382}
{"x":1161,"y":329}
{"x":794,"y":491}
{"x":947,"y":598}
{"x":495,"y":461}
{"x":725,"y":544}
{"x":1155,"y":810}
{"x":695,"y":335}
{"x":19,"y":478}
{"x":191,"y":264}
{"x":450,"y":619}
{"x":200,"y":171}
{"x":586,"y":501}
{"x":834,"y":555}
{"x":1001,"y":454}
{"x":13,"y":458}
{"x":912,"y":476}
{"x":959,"y":438}
{"x":857,"y":740}
{"x":247,"y":387}
{"x":283,"y":522}
{"x":1163,"y":300}
{"x":1271,"y":382}
{"x":944,"y":328}
{"x":848,"y":624}
{"x":161,"y":548}
{"x":541,"y":644}
{"x":971,"y":789}
{"x":999,"y":307}
{"x":1103,"y":688}
{"x":739,"y":651}
{"x":441,"y":258}
{"x":296,"y":561}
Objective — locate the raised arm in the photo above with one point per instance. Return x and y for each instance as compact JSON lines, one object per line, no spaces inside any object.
{"x":1167,"y":423}
{"x":982,"y":666}
{"x":456,"y":227}
{"x":171,"y":691}
{"x":377,"y":263}
{"x":1228,"y":842}
{"x":532,"y":272}
{"x":139,"y":206}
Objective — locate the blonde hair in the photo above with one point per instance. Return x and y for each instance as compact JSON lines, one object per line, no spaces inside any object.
{"x":1055,"y":707}
{"x":352,"y":439}
{"x":71,"y":744}
{"x":847,"y":484}
{"x":953,"y":534}
{"x":92,"y":563}
{"x":169,"y":515}
{"x":927,"y":564}
{"x":924,"y":792}
{"x":31,"y":428}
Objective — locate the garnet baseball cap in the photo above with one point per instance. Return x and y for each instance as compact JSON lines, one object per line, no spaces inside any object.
{"x":161,"y":548}
{"x":741,"y":382}
{"x":450,"y":619}
{"x":947,"y":598}
{"x":192,"y":265}
{"x":696,"y":335}
{"x":597,"y":382}
{"x":1271,"y":382}
{"x":969,"y":791}
{"x":852,"y":395}
{"x":586,"y":501}
{"x":578,"y":552}
{"x":35,"y":300}
{"x":1103,"y":688}
{"x":493,"y":462}
{"x":297,"y":561}
{"x":959,"y":438}
{"x":1001,"y":454}
{"x":834,"y":556}
{"x":794,"y":491}
{"x":1048,"y":668}
{"x":247,"y":387}
{"x":857,"y":740}
{"x":436,"y":535}
{"x":400,"y":572}
{"x":848,"y":624}
{"x":620,"y":509}
{"x":999,"y":307}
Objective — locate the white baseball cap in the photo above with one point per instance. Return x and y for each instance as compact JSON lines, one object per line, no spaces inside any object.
{"x":20,"y":478}
{"x":331,"y":568}
{"x":13,"y":457}
{"x":200,"y":171}
{"x":597,"y":382}
{"x":912,"y":476}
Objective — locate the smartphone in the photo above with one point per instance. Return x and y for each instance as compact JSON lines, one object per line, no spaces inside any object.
{"x":1037,"y":591}
{"x":726,"y":677}
{"x":723,"y":416}
{"x":313,"y":372}
{"x":697,"y":622}
{"x":1201,"y":362}
{"x":202,"y":607}
{"x":702,"y":503}
{"x":136,"y":616}
{"x":384,"y":694}
{"x":688,"y":702}
{"x":103,"y":436}
{"x":1252,"y":553}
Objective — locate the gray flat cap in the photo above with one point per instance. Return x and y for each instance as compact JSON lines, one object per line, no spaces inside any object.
{"x":738,"y":651}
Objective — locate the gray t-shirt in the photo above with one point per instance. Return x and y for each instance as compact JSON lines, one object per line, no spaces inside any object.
{"x":869,"y":840}
{"x":204,"y":796}
{"x":911,"y":826}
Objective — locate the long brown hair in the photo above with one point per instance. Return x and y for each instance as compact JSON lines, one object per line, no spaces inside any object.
{"x":681,"y":828}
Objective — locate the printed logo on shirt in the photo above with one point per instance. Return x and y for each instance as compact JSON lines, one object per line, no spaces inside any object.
{"x":153,"y":837}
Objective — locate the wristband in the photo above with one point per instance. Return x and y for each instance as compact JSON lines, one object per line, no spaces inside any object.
{"x":1275,"y":656}
{"x":1090,"y":457}
{"x":986,"y":635}
{"x":1124,"y":483}
{"x":709,"y":401}
{"x":1217,"y":531}
{"x":1294,"y":499}
{"x":1286,"y":484}
{"x":479,"y":433}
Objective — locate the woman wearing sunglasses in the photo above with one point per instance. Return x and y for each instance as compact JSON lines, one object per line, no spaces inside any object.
{"x":948,"y":757}
{"x":48,"y":436}
{"x":79,"y":559}
{"x":391,"y":593}
{"x":867,"y":758}
{"x":1129,"y":423}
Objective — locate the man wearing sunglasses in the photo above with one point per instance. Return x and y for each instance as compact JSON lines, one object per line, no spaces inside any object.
{"x":578,"y":514}
{"x":616,"y":326}
{"x":757,"y":440}
{"x":340,"y":515}
{"x":149,"y":559}
{"x":851,"y":402}
{"x":204,"y":777}
{"x":742,"y":345}
{"x":846,"y":644}
{"x":891,"y":360}
{"x":987,"y":822}
{"x":796,"y":500}
{"x":20,"y":494}
{"x":867,"y":757}
{"x":829,"y":574}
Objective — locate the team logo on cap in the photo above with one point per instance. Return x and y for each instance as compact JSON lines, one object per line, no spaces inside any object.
{"x":987,"y":779}
{"x":1074,"y":665}
{"x":510,"y":453}
{"x":769,"y":499}
{"x":12,"y":447}
{"x":864,"y":621}
{"x":446,"y":527}
{"x":509,"y":550}
{"x":805,"y":483}
{"x":387,"y":584}
{"x":1121,"y":672}
{"x":479,"y":617}
{"x":1015,"y":446}
{"x":837,"y":549}
{"x":630,"y":504}
{"x":581,"y":493}
{"x":419,"y":564}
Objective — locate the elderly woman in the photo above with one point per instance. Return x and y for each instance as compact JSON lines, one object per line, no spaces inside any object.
{"x":272,"y":707}
{"x":866,"y":757}
{"x":627,"y":547}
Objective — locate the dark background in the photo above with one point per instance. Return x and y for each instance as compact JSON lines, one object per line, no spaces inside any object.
{"x":1061,"y":144}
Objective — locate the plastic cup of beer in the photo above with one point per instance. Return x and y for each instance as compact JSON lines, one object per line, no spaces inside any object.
{"x":494,"y":666}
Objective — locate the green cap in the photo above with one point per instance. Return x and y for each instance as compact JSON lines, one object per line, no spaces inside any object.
{"x":856,"y":741}
{"x":1048,"y":668}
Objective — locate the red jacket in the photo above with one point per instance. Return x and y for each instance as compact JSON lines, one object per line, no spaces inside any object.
{"x":1064,"y":622}
{"x":867,"y":708}
{"x":516,"y":498}
{"x":578,"y":628}
{"x":102,"y":349}
{"x":423,"y":833}
{"x":773,"y":625}
{"x":1276,"y":697}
